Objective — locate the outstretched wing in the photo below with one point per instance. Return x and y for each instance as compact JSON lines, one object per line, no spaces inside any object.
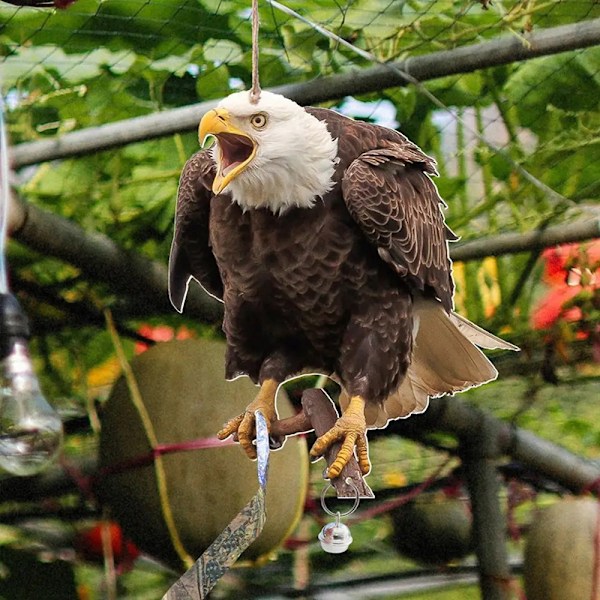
{"x":390,"y":195}
{"x":191,"y":255}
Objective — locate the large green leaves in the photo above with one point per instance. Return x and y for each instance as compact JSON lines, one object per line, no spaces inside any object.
{"x":570,"y":82}
{"x":158,"y":28}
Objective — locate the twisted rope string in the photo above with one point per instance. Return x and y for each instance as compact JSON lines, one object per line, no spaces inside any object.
{"x":255,"y":90}
{"x":144,"y":460}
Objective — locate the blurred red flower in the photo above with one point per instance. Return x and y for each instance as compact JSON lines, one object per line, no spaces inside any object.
{"x":568,"y":269}
{"x":89,"y":546}
{"x":161,"y":333}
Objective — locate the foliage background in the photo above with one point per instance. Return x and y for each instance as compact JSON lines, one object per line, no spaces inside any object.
{"x":100,"y":62}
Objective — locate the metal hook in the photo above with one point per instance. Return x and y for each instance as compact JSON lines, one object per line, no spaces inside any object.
{"x":337,"y":514}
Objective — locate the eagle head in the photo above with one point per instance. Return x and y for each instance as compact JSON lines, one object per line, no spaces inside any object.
{"x":270,"y":154}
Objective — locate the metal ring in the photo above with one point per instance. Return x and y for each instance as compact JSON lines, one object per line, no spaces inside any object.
{"x":337,"y":514}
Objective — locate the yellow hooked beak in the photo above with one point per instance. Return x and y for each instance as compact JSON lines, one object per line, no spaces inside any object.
{"x":235,"y":148}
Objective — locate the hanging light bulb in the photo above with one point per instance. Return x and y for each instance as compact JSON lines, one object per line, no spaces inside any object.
{"x":30,"y":429}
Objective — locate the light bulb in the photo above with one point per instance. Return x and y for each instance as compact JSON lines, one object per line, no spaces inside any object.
{"x":30,"y":429}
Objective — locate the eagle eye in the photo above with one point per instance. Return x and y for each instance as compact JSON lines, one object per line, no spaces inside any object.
{"x":258,"y":120}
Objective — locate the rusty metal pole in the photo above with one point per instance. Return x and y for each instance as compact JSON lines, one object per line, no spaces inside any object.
{"x":480,"y":454}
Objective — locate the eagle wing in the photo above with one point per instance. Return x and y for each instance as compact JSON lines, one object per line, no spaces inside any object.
{"x":191,"y":255}
{"x":390,"y":195}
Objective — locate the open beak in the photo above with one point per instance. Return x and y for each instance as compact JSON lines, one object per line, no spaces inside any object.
{"x":235,"y":149}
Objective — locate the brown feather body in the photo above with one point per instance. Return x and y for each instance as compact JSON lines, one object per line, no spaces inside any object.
{"x":328,"y":288}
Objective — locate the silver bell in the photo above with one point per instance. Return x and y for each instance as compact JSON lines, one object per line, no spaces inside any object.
{"x":335,"y":537}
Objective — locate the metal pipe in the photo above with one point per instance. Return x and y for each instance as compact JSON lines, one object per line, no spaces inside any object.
{"x":466,"y":59}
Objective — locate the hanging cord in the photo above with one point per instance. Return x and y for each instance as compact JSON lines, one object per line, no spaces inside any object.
{"x":4,"y":198}
{"x":255,"y":90}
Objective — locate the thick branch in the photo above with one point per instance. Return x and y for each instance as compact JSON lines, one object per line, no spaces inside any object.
{"x":451,"y":415}
{"x":513,"y":243}
{"x":466,"y":59}
{"x":101,"y":260}
{"x":489,"y":528}
{"x":323,"y":415}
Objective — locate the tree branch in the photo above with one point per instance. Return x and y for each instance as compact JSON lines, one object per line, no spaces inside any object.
{"x":513,"y":243}
{"x":101,"y":260}
{"x":466,"y":59}
{"x":451,"y":415}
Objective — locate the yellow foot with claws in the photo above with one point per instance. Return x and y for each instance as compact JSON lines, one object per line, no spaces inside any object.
{"x":351,"y":430}
{"x":243,"y":427}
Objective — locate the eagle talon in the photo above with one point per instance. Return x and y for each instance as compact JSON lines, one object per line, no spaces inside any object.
{"x":350,"y":429}
{"x":243,"y":427}
{"x":243,"y":431}
{"x":231,"y":428}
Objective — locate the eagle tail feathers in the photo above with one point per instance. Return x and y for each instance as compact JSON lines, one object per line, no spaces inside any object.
{"x":479,"y":336}
{"x":446,"y":359}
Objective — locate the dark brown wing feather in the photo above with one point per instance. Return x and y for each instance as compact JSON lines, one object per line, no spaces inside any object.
{"x":390,"y":195}
{"x":191,"y":255}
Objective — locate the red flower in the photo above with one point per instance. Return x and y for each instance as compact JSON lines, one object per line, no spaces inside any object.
{"x":89,"y":546}
{"x":160,"y":333}
{"x":568,"y":269}
{"x":550,"y":309}
{"x":560,"y":259}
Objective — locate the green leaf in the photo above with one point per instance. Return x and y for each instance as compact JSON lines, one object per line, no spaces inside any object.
{"x":214,"y":83}
{"x":500,"y":166}
{"x":219,"y":51}
{"x":458,"y":90}
{"x":405,"y":101}
{"x":300,"y":44}
{"x":562,"y":81}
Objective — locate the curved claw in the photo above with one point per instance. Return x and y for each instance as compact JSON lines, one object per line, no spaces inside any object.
{"x":243,"y":427}
{"x":351,"y":430}
{"x":230,"y":428}
{"x":362,"y":453}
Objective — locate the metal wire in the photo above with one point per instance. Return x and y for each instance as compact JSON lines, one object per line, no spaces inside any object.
{"x":547,"y":190}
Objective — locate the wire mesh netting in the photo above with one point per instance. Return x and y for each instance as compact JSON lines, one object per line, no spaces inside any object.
{"x":503,"y":94}
{"x":516,"y":144}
